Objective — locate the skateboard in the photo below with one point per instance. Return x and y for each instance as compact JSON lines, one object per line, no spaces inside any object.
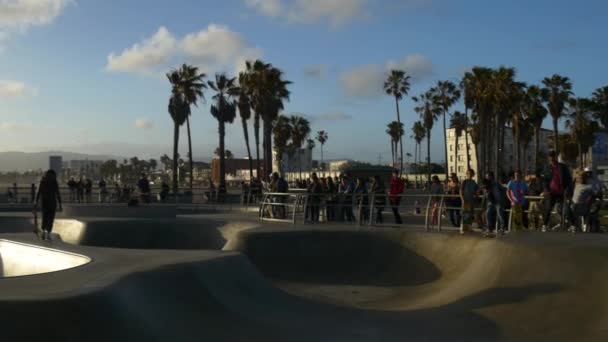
{"x":37,"y":231}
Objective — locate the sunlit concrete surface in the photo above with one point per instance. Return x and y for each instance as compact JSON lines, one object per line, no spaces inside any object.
{"x":19,"y":259}
{"x":231,"y":278}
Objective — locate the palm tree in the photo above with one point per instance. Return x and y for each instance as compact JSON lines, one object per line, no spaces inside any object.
{"x":600,"y":99}
{"x":179,"y":111}
{"x":429,"y":111}
{"x":227,"y":153}
{"x":447,"y":94}
{"x":459,"y":124}
{"x":525,"y":137}
{"x":535,"y":114}
{"x":300,"y":130}
{"x":517,"y":109}
{"x":322,"y":137}
{"x":190,"y":83}
{"x":268,"y":90}
{"x":418,"y":133}
{"x":153,"y":164}
{"x":223,"y":110}
{"x":282,"y":132}
{"x":398,"y":85}
{"x":501,"y":90}
{"x":244,"y":106}
{"x":395,"y":131}
{"x":559,"y":90}
{"x":579,"y":123}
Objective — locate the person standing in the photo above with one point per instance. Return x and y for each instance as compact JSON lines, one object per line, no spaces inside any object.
{"x":362,"y":199}
{"x":517,"y":189}
{"x":395,"y":191}
{"x":438,"y":190}
{"x":454,"y":202}
{"x":50,"y":199}
{"x":80,"y":190}
{"x":88,"y":190}
{"x":593,"y":221}
{"x":495,"y":204}
{"x":144,"y":188}
{"x":379,"y":191}
{"x":103,"y":191}
{"x":557,"y":184}
{"x":468,"y":194}
{"x":330,"y":201}
{"x":314,"y":192}
{"x":15,"y":192}
{"x":347,"y":189}
{"x":33,"y":193}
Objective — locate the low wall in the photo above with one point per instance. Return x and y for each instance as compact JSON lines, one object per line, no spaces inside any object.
{"x":120,"y":211}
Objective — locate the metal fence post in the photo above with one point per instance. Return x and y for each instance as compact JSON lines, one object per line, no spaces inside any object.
{"x":426,"y":216}
{"x":371,"y":210}
{"x":439,"y":213}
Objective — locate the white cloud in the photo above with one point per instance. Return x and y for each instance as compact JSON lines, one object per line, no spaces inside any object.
{"x":143,"y":123}
{"x":366,"y":81}
{"x":270,"y":8}
{"x":145,"y":56}
{"x":21,"y":14}
{"x":13,"y":89}
{"x":217,"y":47}
{"x":213,"y":48}
{"x":335,"y":12}
{"x":15,"y":127}
{"x":316,"y":71}
{"x":330,"y":117}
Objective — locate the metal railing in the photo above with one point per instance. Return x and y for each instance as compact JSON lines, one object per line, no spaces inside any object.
{"x":428,"y":209}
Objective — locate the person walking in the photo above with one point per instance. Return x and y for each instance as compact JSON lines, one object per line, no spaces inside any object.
{"x":50,"y":200}
{"x":517,"y":189}
{"x":582,"y":198}
{"x":468,"y":194}
{"x":73,"y":186}
{"x":454,"y":202}
{"x":557,"y":184}
{"x":379,"y":191}
{"x":592,"y":224}
{"x":395,"y":191}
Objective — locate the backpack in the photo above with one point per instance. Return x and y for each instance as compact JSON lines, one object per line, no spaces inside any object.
{"x":282,"y":186}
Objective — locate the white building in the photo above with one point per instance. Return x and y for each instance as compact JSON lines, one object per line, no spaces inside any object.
{"x":89,"y":168}
{"x":458,"y":163}
{"x":299,"y":161}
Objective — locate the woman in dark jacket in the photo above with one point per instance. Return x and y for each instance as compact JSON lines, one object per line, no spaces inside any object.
{"x":48,"y":194}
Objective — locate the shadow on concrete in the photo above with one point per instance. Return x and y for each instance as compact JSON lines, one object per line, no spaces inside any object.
{"x":336,"y":257}
{"x":229,"y":301}
{"x":153,"y":234}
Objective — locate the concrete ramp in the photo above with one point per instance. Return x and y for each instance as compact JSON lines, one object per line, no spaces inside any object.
{"x":19,"y":259}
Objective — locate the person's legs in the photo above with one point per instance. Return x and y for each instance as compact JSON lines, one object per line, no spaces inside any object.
{"x":490,"y":217}
{"x":524,"y":215}
{"x":435,"y":214}
{"x":501,"y":216}
{"x":548,"y":209}
{"x":395,"y":207}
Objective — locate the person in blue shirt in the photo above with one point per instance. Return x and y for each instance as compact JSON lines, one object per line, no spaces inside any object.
{"x":517,"y":189}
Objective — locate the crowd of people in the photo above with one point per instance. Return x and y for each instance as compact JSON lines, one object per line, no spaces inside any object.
{"x":533,"y":198}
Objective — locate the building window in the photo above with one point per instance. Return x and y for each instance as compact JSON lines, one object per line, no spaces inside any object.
{"x":451,"y":147}
{"x":451,"y":158}
{"x":461,"y":169}
{"x":451,"y":169}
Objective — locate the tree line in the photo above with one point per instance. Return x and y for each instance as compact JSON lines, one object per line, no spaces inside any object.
{"x":494,"y":100}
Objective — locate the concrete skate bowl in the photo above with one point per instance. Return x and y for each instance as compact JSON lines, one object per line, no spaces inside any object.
{"x":179,"y":233}
{"x":19,"y":259}
{"x":519,"y":286}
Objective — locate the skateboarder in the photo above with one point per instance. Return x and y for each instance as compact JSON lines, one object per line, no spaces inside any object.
{"x":48,"y":194}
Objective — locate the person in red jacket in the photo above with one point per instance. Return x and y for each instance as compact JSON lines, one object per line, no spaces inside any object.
{"x":396,"y":189}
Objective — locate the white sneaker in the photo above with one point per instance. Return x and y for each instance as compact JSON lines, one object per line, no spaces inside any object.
{"x":543,"y":229}
{"x":48,"y":235}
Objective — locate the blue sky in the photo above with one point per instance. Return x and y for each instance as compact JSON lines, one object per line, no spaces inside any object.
{"x":87,"y":75}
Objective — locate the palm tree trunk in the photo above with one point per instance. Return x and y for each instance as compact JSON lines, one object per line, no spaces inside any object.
{"x":267,"y":144}
{"x":400,"y":136}
{"x":445,"y":149}
{"x":555,"y":144}
{"x":190,"y":151}
{"x":580,"y":155}
{"x":428,"y":156}
{"x":322,"y":162}
{"x":175,"y":145}
{"x":393,"y":151}
{"x":497,"y":153}
{"x":256,"y":134}
{"x":466,"y":135}
{"x":300,"y":162}
{"x":246,"y":134}
{"x":222,"y":133}
{"x":536,"y":147}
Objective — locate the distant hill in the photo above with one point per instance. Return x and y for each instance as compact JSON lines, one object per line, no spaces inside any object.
{"x":23,"y":161}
